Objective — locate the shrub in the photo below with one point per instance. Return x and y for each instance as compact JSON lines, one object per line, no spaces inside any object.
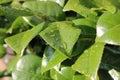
{"x":61,"y":39}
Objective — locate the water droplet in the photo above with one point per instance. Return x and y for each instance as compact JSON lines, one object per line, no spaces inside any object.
{"x":64,"y":45}
{"x":56,"y":39}
{"x":53,"y":35}
{"x":52,"y":31}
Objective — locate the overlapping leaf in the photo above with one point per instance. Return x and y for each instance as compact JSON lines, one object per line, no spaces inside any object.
{"x":89,"y":61}
{"x":108,"y":28}
{"x":4,"y":1}
{"x":28,"y":68}
{"x":16,"y":26}
{"x":62,"y":36}
{"x":19,"y":41}
{"x":23,"y":21}
{"x":51,"y":59}
{"x":66,"y":73}
{"x":76,"y":6}
{"x":45,"y":9}
{"x":60,"y":2}
{"x":14,"y":12}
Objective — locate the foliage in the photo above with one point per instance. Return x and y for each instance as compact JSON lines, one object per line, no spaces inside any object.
{"x":61,"y":39}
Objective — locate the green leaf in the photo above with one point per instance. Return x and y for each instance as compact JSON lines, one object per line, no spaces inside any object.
{"x":56,"y":75}
{"x":12,"y":64}
{"x":31,"y":20}
{"x":4,"y":1}
{"x":88,"y":62}
{"x":45,"y":9}
{"x":114,"y":74}
{"x":66,"y":73}
{"x":106,"y":4}
{"x":16,"y":25}
{"x":82,"y":44}
{"x":14,"y":12}
{"x":28,"y":68}
{"x":16,"y":5}
{"x":85,"y":22}
{"x":21,"y":23}
{"x":19,"y":41}
{"x":87,"y":27}
{"x":2,"y":35}
{"x":80,"y":77}
{"x":108,"y":27}
{"x":2,"y":51}
{"x":77,"y":6}
{"x":51,"y":59}
{"x":60,"y":2}
{"x":55,"y":35}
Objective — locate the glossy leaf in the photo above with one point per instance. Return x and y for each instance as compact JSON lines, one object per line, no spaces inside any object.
{"x":12,"y":64}
{"x":108,"y":27}
{"x":66,"y":73}
{"x":82,"y":44}
{"x":4,"y":1}
{"x":16,"y":25}
{"x":80,"y":77}
{"x":45,"y":9}
{"x":106,"y":4}
{"x":56,"y":76}
{"x":60,"y":2}
{"x":88,"y":27}
{"x":55,"y":35}
{"x":16,"y":5}
{"x":25,"y":70}
{"x":14,"y":12}
{"x":31,"y":20}
{"x":76,"y":6}
{"x":19,"y":41}
{"x":88,"y":62}
{"x":115,"y":75}
{"x":85,"y":22}
{"x":23,"y":21}
{"x":51,"y":59}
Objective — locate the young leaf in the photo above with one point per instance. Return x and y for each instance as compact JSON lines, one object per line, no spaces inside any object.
{"x":62,"y":36}
{"x":51,"y":59}
{"x":88,"y":62}
{"x":19,"y":41}
{"x":108,"y":27}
